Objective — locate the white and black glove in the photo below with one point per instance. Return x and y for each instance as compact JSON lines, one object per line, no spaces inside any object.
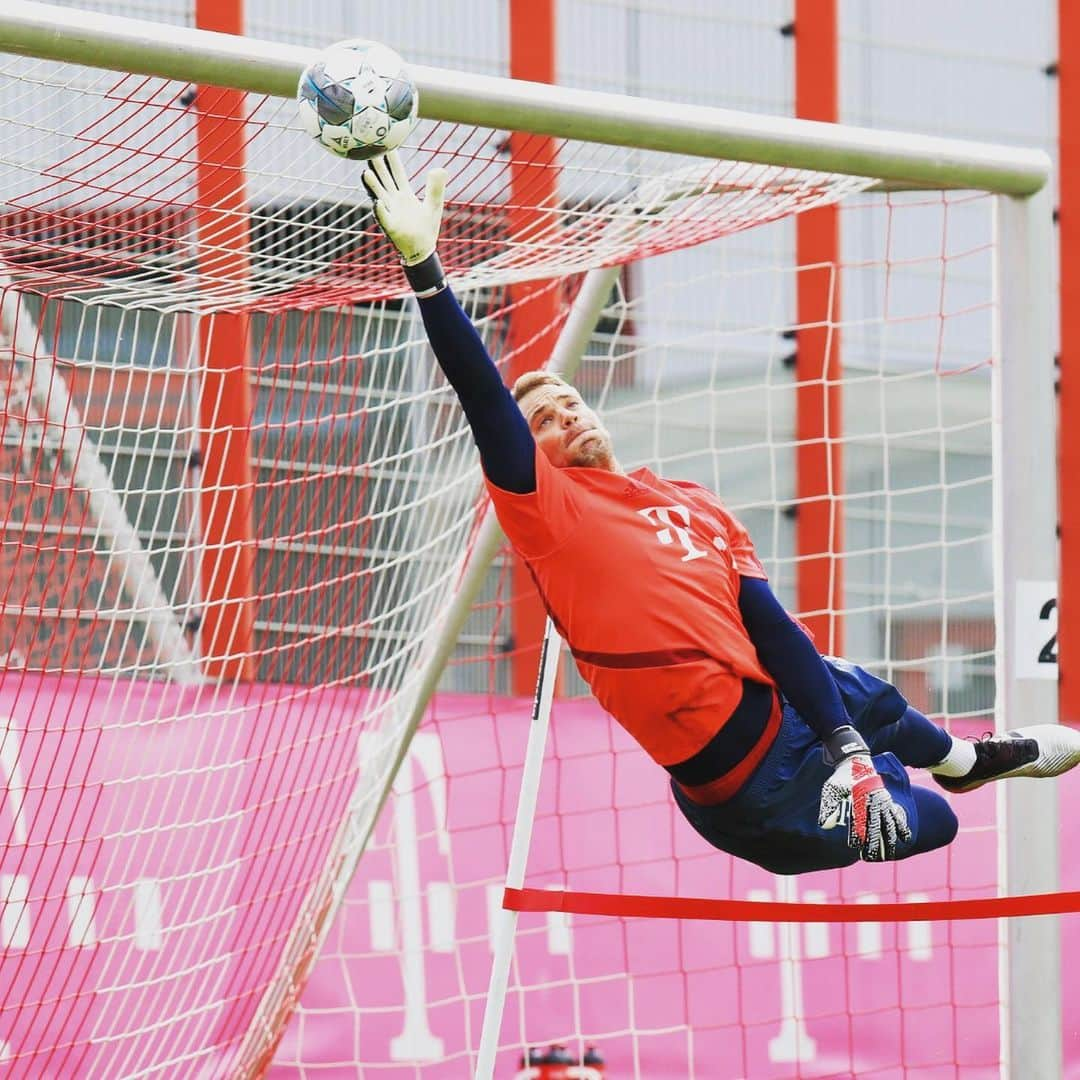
{"x":410,"y":224}
{"x":856,"y":796}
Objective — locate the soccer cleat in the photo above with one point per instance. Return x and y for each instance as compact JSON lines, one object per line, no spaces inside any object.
{"x":1044,"y":750}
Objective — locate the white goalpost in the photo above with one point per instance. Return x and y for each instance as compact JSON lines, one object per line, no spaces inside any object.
{"x":1025,"y":568}
{"x":519,"y":849}
{"x":183,"y":270}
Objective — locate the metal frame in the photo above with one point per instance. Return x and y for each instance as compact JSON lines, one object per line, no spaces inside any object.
{"x":1025,"y":548}
{"x":1025,"y":551}
{"x":819,"y":394}
{"x":534,"y":310}
{"x":176,"y":52}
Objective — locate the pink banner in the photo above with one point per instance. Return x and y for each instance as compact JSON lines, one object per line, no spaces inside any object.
{"x":159,"y":841}
{"x":659,"y":999}
{"x":157,"y":844}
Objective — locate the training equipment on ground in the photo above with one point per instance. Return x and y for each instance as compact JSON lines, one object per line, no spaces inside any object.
{"x":357,"y":99}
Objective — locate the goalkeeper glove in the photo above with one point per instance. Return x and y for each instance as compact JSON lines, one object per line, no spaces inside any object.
{"x":410,"y":225}
{"x":856,"y":796}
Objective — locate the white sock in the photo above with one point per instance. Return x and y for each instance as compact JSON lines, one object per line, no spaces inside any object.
{"x":959,"y":761}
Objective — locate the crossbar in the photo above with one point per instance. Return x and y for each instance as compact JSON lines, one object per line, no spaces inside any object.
{"x":200,"y":56}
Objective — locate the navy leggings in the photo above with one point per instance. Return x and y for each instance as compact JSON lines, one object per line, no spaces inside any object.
{"x":772,"y":820}
{"x":917,"y":741}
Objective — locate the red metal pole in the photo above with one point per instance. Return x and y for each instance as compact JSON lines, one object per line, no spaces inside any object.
{"x":818,"y":402}
{"x":228,"y":564}
{"x":533,"y":319}
{"x":1069,"y":396}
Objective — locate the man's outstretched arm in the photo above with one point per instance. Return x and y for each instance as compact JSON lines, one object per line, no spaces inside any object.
{"x":507,"y":449}
{"x":502,"y":435}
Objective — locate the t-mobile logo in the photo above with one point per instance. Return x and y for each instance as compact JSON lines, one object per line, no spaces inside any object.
{"x":396,"y":908}
{"x":16,"y":906}
{"x":674,"y":522}
{"x":790,"y":944}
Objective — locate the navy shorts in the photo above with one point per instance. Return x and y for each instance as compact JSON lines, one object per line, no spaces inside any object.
{"x":773,"y":819}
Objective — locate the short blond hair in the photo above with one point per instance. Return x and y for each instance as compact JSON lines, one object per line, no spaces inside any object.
{"x":530,"y":380}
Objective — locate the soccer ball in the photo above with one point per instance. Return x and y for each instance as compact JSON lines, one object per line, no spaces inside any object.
{"x":356,"y":99}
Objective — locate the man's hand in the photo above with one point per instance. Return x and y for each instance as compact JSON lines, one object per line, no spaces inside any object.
{"x":410,"y":225}
{"x":856,"y":796}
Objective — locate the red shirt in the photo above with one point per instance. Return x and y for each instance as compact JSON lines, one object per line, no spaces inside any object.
{"x":641,"y":577}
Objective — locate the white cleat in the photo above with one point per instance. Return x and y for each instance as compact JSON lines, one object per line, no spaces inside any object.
{"x":1059,"y":749}
{"x":1043,"y":750}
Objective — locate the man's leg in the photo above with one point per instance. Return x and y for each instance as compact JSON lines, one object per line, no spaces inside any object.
{"x":916,"y":741}
{"x":913,"y":739}
{"x":961,"y":765}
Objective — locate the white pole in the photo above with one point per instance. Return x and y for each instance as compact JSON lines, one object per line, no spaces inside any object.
{"x":519,"y":852}
{"x":1025,"y":564}
{"x":49,"y":392}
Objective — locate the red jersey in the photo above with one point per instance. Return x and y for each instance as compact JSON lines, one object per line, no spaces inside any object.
{"x":641,"y":577}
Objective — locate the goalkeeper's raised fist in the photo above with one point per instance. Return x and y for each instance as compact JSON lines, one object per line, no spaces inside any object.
{"x":410,"y":224}
{"x":856,"y":796}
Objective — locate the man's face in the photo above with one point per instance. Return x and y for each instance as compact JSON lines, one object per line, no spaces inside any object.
{"x":567,"y":431}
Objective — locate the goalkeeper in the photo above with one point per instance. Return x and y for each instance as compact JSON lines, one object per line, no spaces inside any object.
{"x":776,"y":754}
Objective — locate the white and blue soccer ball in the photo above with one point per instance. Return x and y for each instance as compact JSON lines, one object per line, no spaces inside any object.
{"x":356,"y":98}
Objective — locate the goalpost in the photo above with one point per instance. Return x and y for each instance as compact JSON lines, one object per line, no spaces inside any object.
{"x":244,"y":522}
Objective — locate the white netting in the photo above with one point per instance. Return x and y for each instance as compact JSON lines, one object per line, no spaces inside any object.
{"x":176,"y":845}
{"x":707,"y":391}
{"x":119,"y":155}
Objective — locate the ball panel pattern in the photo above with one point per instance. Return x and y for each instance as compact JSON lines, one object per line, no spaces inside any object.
{"x":357,"y":100}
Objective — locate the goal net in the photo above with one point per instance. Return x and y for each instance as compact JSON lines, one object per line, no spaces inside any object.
{"x":244,"y":525}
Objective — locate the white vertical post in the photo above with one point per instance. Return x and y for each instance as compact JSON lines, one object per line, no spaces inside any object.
{"x":1025,"y":515}
{"x":519,"y":852}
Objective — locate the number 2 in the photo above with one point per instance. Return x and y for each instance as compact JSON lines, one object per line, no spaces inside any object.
{"x":1048,"y":653}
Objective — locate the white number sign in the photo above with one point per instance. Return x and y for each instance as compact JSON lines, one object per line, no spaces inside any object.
{"x":1035,"y":640}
